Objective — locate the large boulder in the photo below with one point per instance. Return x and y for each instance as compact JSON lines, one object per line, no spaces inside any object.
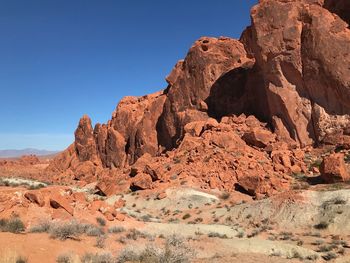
{"x":258,"y":137}
{"x":35,"y":197}
{"x":57,"y":200}
{"x":333,"y":169}
{"x":141,"y":181}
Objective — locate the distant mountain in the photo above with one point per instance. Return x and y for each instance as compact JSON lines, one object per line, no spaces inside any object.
{"x":18,"y":153}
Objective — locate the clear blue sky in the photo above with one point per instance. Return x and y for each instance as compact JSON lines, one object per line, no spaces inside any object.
{"x":61,"y":59}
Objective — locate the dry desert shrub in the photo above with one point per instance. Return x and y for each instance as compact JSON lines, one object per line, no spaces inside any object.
{"x":101,"y":221}
{"x":100,"y":241}
{"x":64,"y":230}
{"x":42,"y":227}
{"x":240,"y":234}
{"x":93,"y":231}
{"x":322,"y":225}
{"x":225,"y":196}
{"x":116,"y":229}
{"x":13,"y":225}
{"x":216,"y":234}
{"x":12,"y":257}
{"x":97,"y":258}
{"x":186,"y":216}
{"x":174,"y":251}
{"x":64,"y":258}
{"x":329,"y":256}
{"x":67,"y":258}
{"x":134,"y":234}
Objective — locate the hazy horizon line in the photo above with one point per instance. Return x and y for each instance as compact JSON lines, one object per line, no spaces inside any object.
{"x":38,"y":141}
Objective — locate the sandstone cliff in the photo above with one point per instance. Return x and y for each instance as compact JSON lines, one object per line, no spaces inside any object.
{"x":290,"y":70}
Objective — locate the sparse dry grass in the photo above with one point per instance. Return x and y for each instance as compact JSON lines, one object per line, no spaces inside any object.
{"x":12,"y":256}
{"x":116,"y":229}
{"x":68,"y":258}
{"x":97,"y":258}
{"x":65,"y":230}
{"x":100,"y":241}
{"x":174,"y":251}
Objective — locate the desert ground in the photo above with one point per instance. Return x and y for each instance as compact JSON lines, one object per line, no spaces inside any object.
{"x":308,"y":225}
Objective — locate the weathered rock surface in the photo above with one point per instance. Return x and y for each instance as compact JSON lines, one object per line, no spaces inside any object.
{"x":213,"y":70}
{"x":301,"y":50}
{"x":333,"y":169}
{"x":235,"y":114}
{"x":57,"y":200}
{"x":35,"y":197}
{"x":339,"y":7}
{"x":29,"y":160}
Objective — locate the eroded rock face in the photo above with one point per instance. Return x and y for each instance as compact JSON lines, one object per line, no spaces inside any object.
{"x":35,"y":197}
{"x":283,"y":86}
{"x":57,"y":200}
{"x":136,"y":120}
{"x":301,"y":50}
{"x":213,"y":68}
{"x":85,"y":145}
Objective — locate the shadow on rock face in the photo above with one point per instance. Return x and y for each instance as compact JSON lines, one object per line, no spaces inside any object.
{"x":339,"y":7}
{"x":238,"y":91}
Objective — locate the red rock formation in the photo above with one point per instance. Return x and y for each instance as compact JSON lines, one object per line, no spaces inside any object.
{"x":60,"y":201}
{"x":301,"y":50}
{"x":29,"y":160}
{"x":36,"y":197}
{"x":85,"y":144}
{"x":291,"y":69}
{"x":333,"y":169}
{"x":193,"y":81}
{"x":136,"y":120}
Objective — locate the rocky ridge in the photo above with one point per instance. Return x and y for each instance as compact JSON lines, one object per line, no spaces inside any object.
{"x":236,"y":115}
